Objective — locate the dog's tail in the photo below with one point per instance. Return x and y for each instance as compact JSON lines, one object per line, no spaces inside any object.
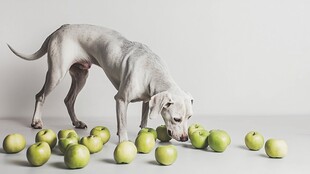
{"x":41,"y":52}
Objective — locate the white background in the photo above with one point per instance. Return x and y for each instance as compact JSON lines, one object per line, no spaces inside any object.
{"x":236,"y":57}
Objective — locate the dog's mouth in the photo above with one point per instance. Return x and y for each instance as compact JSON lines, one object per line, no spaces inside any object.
{"x":183,"y":138}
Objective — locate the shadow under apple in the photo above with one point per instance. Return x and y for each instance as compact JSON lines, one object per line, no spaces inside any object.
{"x":2,"y":150}
{"x":243,"y":147}
{"x":264,"y":156}
{"x":109,"y":161}
{"x":153,"y":162}
{"x":59,"y":165}
{"x":20,"y":163}
{"x":56,"y":151}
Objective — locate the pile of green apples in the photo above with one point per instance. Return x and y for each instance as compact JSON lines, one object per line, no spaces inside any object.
{"x":126,"y":151}
{"x":77,"y":150}
{"x":219,"y":140}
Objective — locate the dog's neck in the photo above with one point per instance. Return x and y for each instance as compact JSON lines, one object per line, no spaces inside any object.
{"x":159,"y":84}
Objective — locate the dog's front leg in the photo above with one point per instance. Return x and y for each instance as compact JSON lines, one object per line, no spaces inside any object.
{"x":121,"y":113}
{"x":145,"y":113}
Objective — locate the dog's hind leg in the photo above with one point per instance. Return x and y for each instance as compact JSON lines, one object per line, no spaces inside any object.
{"x":57,"y":69}
{"x":37,"y":118}
{"x":79,"y":75}
{"x":52,"y":80}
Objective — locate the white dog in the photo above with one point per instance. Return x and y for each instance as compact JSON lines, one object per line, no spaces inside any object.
{"x":134,"y":70}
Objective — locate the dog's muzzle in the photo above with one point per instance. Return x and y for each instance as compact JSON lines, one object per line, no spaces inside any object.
{"x":183,"y":138}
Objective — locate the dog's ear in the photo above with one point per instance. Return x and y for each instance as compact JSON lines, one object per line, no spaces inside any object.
{"x":158,"y":102}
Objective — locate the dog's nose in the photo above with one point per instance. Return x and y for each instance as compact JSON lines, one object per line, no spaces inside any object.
{"x":183,"y":138}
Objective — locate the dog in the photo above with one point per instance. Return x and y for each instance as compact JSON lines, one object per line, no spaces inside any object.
{"x":134,"y":70}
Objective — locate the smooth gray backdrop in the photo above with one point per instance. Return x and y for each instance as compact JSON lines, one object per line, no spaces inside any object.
{"x":240,"y":57}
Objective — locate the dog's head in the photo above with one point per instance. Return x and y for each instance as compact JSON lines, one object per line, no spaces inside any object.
{"x":176,"y":109}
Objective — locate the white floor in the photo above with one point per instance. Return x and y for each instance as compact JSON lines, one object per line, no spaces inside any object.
{"x":236,"y":159}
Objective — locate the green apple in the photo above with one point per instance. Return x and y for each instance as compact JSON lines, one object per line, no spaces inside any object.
{"x":125,"y":152}
{"x":47,"y":135}
{"x":148,"y":129}
{"x":254,"y":140}
{"x":14,"y":143}
{"x":65,"y":133}
{"x":276,"y":148}
{"x":162,"y":134}
{"x":102,"y":132}
{"x":145,"y":142}
{"x":63,"y":143}
{"x":166,"y":155}
{"x":194,"y":127}
{"x":218,"y":140}
{"x":76,"y":156}
{"x":224,"y":132}
{"x":93,"y":143}
{"x":38,"y":153}
{"x":200,"y":139}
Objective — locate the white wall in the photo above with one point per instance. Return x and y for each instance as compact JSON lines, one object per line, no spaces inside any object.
{"x":236,"y":57}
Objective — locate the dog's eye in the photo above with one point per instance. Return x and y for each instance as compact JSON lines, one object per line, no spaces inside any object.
{"x":189,"y":117}
{"x":177,"y":119}
{"x":168,"y":104}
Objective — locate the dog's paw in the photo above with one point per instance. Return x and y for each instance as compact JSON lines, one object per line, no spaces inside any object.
{"x":37,"y":124}
{"x":80,"y":125}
